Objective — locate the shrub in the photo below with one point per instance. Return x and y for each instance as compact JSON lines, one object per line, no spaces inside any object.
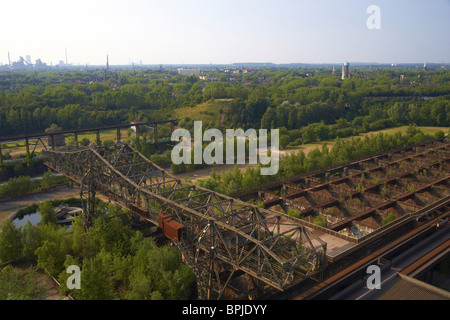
{"x":293,"y":213}
{"x":389,"y":218}
{"x":320,"y":221}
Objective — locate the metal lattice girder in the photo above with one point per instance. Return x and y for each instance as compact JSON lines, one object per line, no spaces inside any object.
{"x":221,"y":233}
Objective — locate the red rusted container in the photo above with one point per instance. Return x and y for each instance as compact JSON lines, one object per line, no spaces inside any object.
{"x":171,"y":228}
{"x":161,"y":218}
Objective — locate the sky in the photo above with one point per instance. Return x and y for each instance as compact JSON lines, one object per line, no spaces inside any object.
{"x":224,"y":31}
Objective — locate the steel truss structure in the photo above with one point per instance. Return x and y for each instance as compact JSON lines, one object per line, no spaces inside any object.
{"x":223,"y":238}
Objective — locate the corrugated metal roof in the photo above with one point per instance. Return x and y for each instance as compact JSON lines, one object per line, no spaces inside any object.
{"x":407,"y":288}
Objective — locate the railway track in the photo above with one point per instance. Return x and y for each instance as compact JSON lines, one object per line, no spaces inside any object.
{"x":389,"y":253}
{"x":430,"y":221}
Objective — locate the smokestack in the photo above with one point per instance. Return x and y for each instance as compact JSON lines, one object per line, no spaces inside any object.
{"x":9,"y":60}
{"x":66,"y":57}
{"x":107,"y":62}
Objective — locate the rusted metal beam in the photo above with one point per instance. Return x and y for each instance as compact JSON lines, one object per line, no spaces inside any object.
{"x":78,"y":131}
{"x":278,"y":184}
{"x":345,"y":223}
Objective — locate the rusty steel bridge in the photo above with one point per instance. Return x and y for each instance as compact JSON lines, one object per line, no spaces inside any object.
{"x":227,"y":242}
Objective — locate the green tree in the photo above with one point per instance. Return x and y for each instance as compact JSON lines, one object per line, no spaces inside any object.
{"x":284,"y":141}
{"x":48,"y":179}
{"x":17,"y":186}
{"x":15,"y":286}
{"x":398,"y":112}
{"x":96,"y":284}
{"x":11,"y":242}
{"x":32,"y":239}
{"x":158,"y":273}
{"x":107,"y":234}
{"x":47,"y":212}
{"x":50,"y":257}
{"x":54,"y":246}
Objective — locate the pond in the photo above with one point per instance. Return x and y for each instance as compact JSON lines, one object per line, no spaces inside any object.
{"x":34,"y":218}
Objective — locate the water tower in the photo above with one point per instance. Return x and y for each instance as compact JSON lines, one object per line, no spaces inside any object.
{"x":345,"y":73}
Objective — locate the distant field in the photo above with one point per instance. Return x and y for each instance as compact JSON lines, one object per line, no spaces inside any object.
{"x":206,"y":111}
{"x":426,"y":130}
{"x":107,"y":134}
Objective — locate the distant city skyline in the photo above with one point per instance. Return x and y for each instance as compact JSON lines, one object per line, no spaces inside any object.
{"x":224,"y":32}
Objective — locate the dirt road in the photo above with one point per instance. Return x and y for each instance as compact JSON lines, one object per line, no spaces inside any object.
{"x":8,"y":208}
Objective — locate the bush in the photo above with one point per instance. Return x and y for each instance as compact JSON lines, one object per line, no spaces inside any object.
{"x":320,"y":221}
{"x":85,"y":142}
{"x":14,"y":286}
{"x":11,"y":243}
{"x":293,"y":213}
{"x":284,"y":141}
{"x":16,"y":186}
{"x":178,"y":168}
{"x":439,"y":134}
{"x":47,"y":212}
{"x":345,"y":133}
{"x":389,"y":218}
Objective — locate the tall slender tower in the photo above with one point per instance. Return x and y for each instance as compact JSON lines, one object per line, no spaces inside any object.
{"x":107,"y":62}
{"x":66,"y":56}
{"x":345,"y":73}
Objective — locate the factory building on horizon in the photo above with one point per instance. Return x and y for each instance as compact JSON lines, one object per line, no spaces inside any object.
{"x":188,"y":71}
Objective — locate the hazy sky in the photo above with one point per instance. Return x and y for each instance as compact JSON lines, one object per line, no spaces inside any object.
{"x":224,"y":31}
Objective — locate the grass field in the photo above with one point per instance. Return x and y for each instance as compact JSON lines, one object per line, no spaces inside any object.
{"x":207,"y":111}
{"x":311,"y":146}
{"x":426,"y":130}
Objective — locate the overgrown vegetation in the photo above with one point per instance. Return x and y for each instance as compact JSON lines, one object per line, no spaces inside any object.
{"x":16,"y":286}
{"x":116,"y":262}
{"x":23,"y":184}
{"x":296,"y":163}
{"x":388,"y":219}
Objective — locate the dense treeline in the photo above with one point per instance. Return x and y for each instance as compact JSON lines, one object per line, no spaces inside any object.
{"x":32,"y":101}
{"x":23,"y":184}
{"x":297,"y":163}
